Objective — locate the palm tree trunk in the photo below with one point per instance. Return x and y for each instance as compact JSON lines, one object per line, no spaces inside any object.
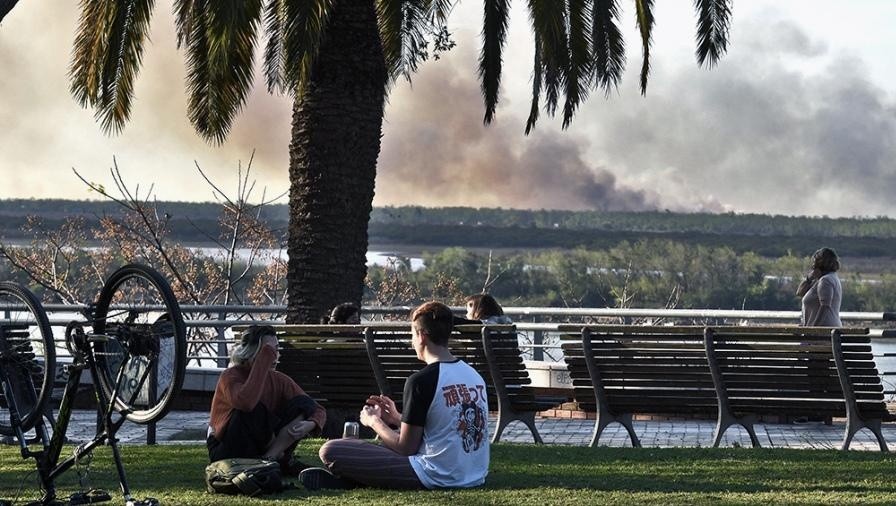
{"x":336,"y":130}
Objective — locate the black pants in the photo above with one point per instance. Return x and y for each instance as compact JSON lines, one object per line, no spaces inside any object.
{"x":248,"y":434}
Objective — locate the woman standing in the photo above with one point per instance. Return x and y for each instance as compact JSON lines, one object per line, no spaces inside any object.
{"x":821,"y":291}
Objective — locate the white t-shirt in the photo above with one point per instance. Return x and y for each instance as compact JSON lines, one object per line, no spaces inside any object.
{"x":449,"y":400}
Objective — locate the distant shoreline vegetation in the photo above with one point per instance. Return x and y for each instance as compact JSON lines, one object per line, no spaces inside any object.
{"x":767,"y":235}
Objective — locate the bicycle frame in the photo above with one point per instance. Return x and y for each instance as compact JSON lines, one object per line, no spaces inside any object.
{"x":49,"y":467}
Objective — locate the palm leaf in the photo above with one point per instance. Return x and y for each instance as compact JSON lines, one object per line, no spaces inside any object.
{"x":644,"y":10}
{"x":608,"y":45}
{"x":549,"y":23}
{"x":537,"y":83}
{"x":106,"y":57}
{"x":220,"y":50}
{"x":494,"y":34}
{"x":403,"y":27}
{"x":713,"y":24}
{"x":85,"y":70}
{"x":184,"y":21}
{"x":579,"y":73}
{"x":274,"y":15}
{"x":302,"y":28}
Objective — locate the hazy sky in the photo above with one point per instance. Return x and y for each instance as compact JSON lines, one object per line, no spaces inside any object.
{"x":798,"y":118}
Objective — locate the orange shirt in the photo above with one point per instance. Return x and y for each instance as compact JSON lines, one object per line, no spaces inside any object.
{"x":242,"y":387}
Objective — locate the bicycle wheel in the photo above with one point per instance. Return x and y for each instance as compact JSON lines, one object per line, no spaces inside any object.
{"x":27,"y":358}
{"x":143,"y":359}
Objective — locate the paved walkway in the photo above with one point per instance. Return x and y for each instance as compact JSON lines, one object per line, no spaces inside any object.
{"x":189,"y":427}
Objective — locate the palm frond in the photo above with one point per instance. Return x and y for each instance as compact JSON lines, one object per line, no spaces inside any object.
{"x":403,"y":26}
{"x":184,"y":21}
{"x":579,"y":73}
{"x":106,"y":58}
{"x":219,"y":63}
{"x":440,"y":9}
{"x":390,"y":18}
{"x":274,"y":15}
{"x":713,"y":24}
{"x":494,"y":34}
{"x":537,"y":83}
{"x":303,"y":25}
{"x":644,"y":10}
{"x":549,"y":22}
{"x":608,"y":45}
{"x":85,"y":70}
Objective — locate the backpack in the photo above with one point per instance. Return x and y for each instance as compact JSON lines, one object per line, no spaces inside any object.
{"x":243,"y":476}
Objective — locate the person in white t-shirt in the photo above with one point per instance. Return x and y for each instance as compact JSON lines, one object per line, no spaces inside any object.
{"x":442,"y":441}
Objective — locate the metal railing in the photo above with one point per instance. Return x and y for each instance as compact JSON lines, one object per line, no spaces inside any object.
{"x":209,"y":326}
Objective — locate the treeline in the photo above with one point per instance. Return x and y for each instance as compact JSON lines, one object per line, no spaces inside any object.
{"x":644,"y":274}
{"x":490,"y":227}
{"x":649,"y":221}
{"x":486,"y":236}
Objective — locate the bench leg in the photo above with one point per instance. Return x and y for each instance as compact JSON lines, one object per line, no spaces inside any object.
{"x":503,"y":421}
{"x":507,"y":416}
{"x":874,"y":426}
{"x":748,"y":424}
{"x":854,"y":425}
{"x":721,"y":427}
{"x":603,"y":421}
{"x":626,"y":422}
{"x":599,"y":425}
{"x":528,"y":418}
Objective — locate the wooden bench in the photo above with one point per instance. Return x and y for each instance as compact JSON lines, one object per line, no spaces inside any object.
{"x":735,"y":373}
{"x":796,"y":372}
{"x":493,"y":351}
{"x":619,"y":371}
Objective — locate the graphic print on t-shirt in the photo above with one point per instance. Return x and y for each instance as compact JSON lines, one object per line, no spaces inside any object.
{"x":471,"y":423}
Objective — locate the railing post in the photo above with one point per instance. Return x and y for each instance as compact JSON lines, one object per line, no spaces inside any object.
{"x":222,"y":344}
{"x":537,"y":341}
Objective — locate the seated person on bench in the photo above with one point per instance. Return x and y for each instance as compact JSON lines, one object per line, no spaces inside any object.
{"x":443,"y":438}
{"x":258,"y":412}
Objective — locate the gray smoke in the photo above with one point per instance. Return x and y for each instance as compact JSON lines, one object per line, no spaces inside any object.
{"x":436,"y":151}
{"x":784,"y":124}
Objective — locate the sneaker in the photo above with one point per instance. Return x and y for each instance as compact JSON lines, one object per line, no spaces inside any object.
{"x":316,"y":478}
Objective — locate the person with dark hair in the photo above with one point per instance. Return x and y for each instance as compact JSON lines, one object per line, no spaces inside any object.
{"x":821,"y":291}
{"x":258,"y":412}
{"x":345,"y":314}
{"x":442,"y":439}
{"x":485,"y":308}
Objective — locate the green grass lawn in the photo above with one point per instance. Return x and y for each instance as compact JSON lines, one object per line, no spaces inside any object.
{"x":526,"y":475}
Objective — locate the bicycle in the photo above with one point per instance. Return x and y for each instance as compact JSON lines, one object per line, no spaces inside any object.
{"x":135,"y":353}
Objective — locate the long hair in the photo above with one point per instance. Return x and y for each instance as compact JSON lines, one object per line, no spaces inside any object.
{"x":484,"y":306}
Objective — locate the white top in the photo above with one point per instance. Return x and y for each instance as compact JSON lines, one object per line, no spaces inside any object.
{"x":450,"y":401}
{"x":821,"y":304}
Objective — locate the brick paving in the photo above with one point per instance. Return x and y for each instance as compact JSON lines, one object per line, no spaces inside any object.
{"x":189,"y":427}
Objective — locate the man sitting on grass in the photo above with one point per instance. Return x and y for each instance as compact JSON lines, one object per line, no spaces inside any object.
{"x":443,"y":439}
